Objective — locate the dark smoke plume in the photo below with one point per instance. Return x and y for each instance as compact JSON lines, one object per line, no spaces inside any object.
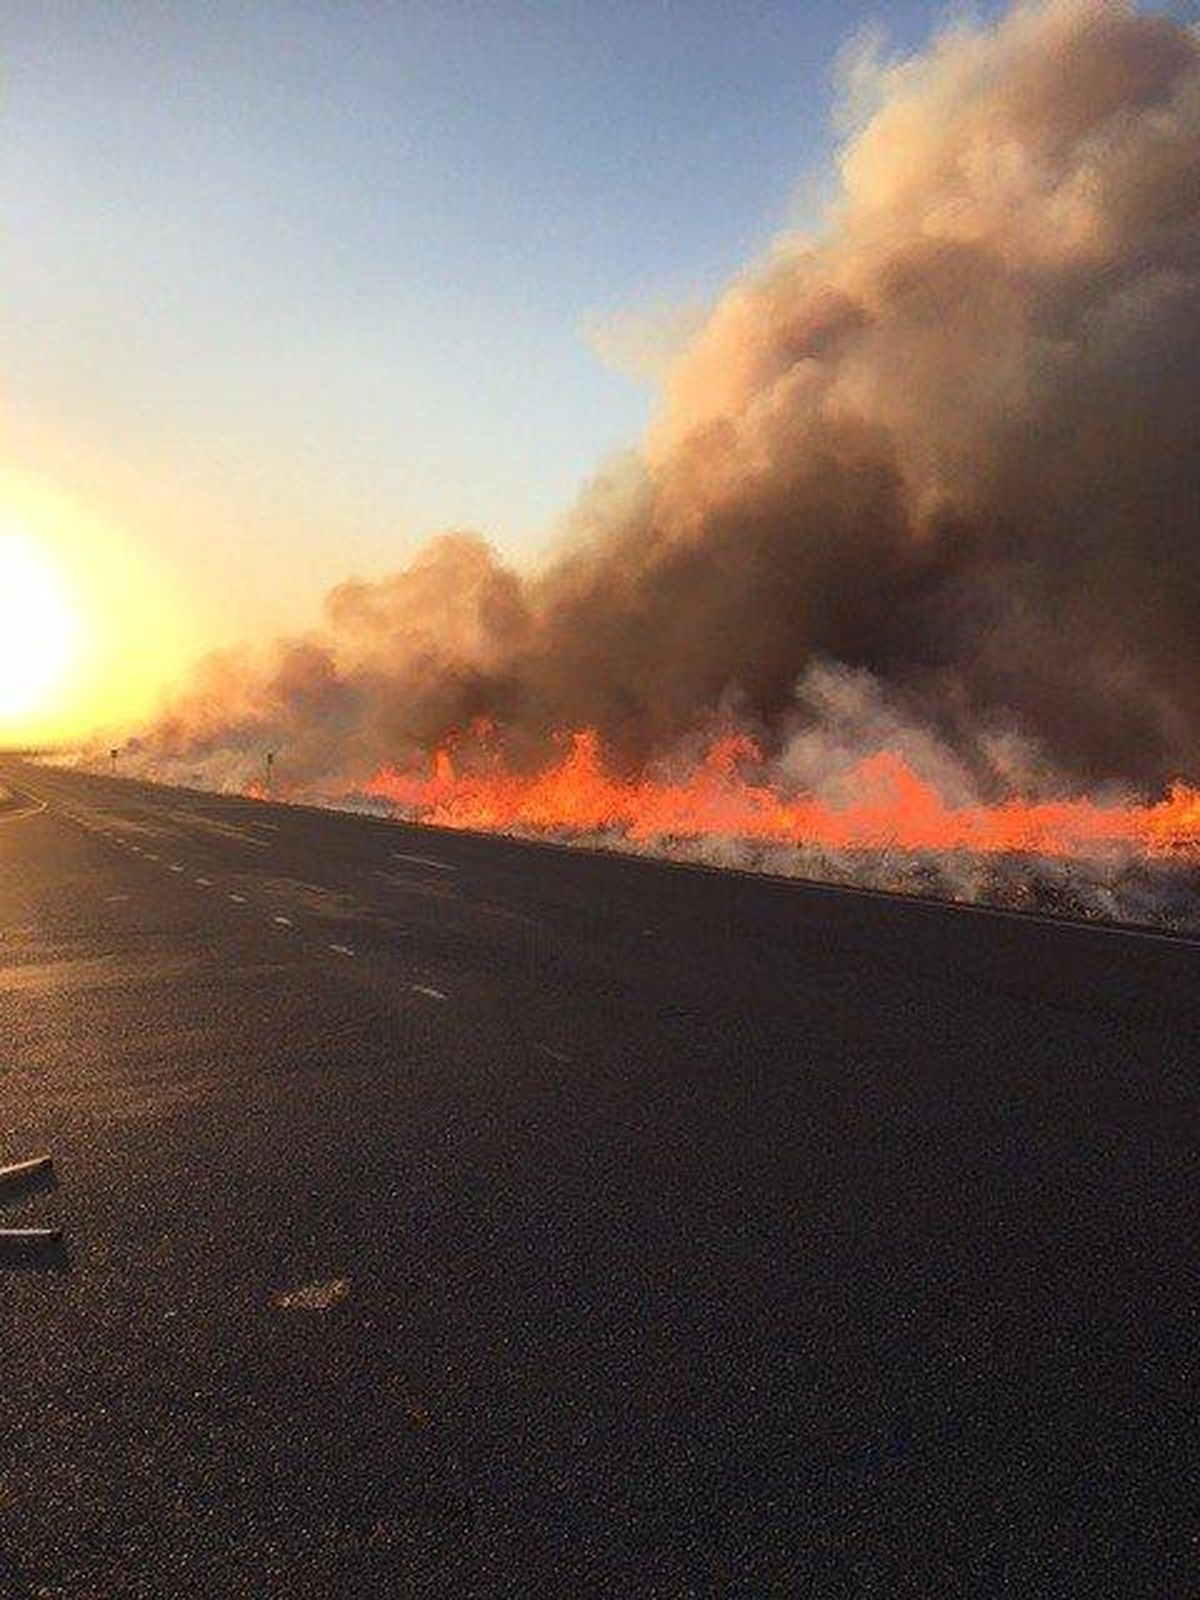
{"x":951,"y":444}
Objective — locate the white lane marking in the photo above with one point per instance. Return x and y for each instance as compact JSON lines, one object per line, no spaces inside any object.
{"x":114,"y":899}
{"x":284,"y":922}
{"x":238,"y":899}
{"x":150,"y":856}
{"x":341,"y":949}
{"x":205,"y":883}
{"x":29,"y":811}
{"x":433,"y":994}
{"x":136,"y":848}
{"x":174,"y":869}
{"x":425,"y":861}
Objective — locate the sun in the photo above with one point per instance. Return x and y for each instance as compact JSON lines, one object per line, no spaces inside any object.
{"x":38,"y":628}
{"x":91,"y":630}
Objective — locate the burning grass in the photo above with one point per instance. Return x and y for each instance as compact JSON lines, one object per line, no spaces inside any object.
{"x":884,"y":827}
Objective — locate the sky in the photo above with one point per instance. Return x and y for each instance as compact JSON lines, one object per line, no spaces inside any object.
{"x":289,"y":288}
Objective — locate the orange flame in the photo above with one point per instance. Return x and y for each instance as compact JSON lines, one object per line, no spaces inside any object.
{"x":730,"y":793}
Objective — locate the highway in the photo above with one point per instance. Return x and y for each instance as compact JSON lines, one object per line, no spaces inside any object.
{"x":451,"y":1216}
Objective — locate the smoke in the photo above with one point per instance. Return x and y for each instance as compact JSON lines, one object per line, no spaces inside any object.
{"x":928,"y":480}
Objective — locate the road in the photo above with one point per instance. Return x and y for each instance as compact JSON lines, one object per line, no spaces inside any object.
{"x":449,"y":1216}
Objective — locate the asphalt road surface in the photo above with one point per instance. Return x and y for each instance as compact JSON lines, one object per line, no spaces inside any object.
{"x":448,"y":1216}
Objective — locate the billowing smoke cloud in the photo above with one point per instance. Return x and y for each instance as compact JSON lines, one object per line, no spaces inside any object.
{"x":951,"y":445}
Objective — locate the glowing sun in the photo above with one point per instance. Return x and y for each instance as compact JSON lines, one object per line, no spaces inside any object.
{"x":37,"y":627}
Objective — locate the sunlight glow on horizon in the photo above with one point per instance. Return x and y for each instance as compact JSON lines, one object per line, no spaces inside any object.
{"x":38,"y":627}
{"x":89,"y":636}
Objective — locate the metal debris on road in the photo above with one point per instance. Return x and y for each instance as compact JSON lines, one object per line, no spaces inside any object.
{"x":21,"y":1240}
{"x":22,"y":1173}
{"x":15,"y":1180}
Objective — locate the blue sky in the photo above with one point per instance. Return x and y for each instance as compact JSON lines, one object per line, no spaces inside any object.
{"x":290,"y":287}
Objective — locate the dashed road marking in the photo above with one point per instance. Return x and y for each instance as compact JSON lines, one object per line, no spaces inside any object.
{"x":150,"y":856}
{"x":114,"y":899}
{"x":205,"y":883}
{"x":284,"y":922}
{"x":238,"y":899}
{"x":433,"y":994}
{"x":174,"y":868}
{"x":425,"y":861}
{"x":341,"y":949}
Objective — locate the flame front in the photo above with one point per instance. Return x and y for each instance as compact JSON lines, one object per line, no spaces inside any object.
{"x":732,"y":793}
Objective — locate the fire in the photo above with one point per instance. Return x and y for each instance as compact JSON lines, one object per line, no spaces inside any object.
{"x":731,"y":792}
